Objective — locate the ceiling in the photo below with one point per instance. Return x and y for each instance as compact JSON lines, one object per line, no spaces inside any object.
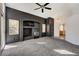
{"x":59,"y":10}
{"x":29,"y":8}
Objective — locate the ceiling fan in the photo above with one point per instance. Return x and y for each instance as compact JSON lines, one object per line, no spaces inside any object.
{"x":42,"y":7}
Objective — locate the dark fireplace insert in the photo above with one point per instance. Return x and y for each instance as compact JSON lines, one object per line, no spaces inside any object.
{"x":27,"y":32}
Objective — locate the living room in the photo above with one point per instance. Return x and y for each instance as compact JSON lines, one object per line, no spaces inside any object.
{"x":32,"y":23}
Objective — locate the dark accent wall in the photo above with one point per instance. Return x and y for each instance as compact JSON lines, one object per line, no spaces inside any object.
{"x":49,"y":26}
{"x":19,"y":15}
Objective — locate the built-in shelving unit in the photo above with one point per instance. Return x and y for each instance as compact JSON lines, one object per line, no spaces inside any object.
{"x":30,"y":29}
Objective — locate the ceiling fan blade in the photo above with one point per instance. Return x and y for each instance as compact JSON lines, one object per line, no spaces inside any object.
{"x":42,"y":10}
{"x":37,"y":8}
{"x":46,"y":4}
{"x":48,"y":8}
{"x":38,"y":4}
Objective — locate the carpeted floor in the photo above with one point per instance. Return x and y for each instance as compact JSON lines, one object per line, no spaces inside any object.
{"x":44,"y":46}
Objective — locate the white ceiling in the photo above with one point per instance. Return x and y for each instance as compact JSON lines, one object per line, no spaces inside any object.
{"x":59,"y":10}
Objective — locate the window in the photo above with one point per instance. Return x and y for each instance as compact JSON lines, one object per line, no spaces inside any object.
{"x":48,"y":28}
{"x":43,"y":28}
{"x":13,"y":27}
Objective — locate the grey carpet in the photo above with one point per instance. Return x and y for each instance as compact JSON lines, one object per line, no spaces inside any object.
{"x":44,"y":46}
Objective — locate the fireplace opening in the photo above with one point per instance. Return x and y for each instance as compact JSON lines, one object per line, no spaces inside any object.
{"x":27,"y":32}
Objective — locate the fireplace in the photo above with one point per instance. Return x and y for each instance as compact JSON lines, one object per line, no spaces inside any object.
{"x":27,"y":32}
{"x":31,"y":29}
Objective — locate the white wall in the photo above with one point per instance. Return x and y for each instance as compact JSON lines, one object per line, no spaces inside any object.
{"x":62,"y":12}
{"x":72,"y":29}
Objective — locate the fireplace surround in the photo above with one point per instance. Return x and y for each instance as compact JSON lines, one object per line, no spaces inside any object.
{"x":30,"y":29}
